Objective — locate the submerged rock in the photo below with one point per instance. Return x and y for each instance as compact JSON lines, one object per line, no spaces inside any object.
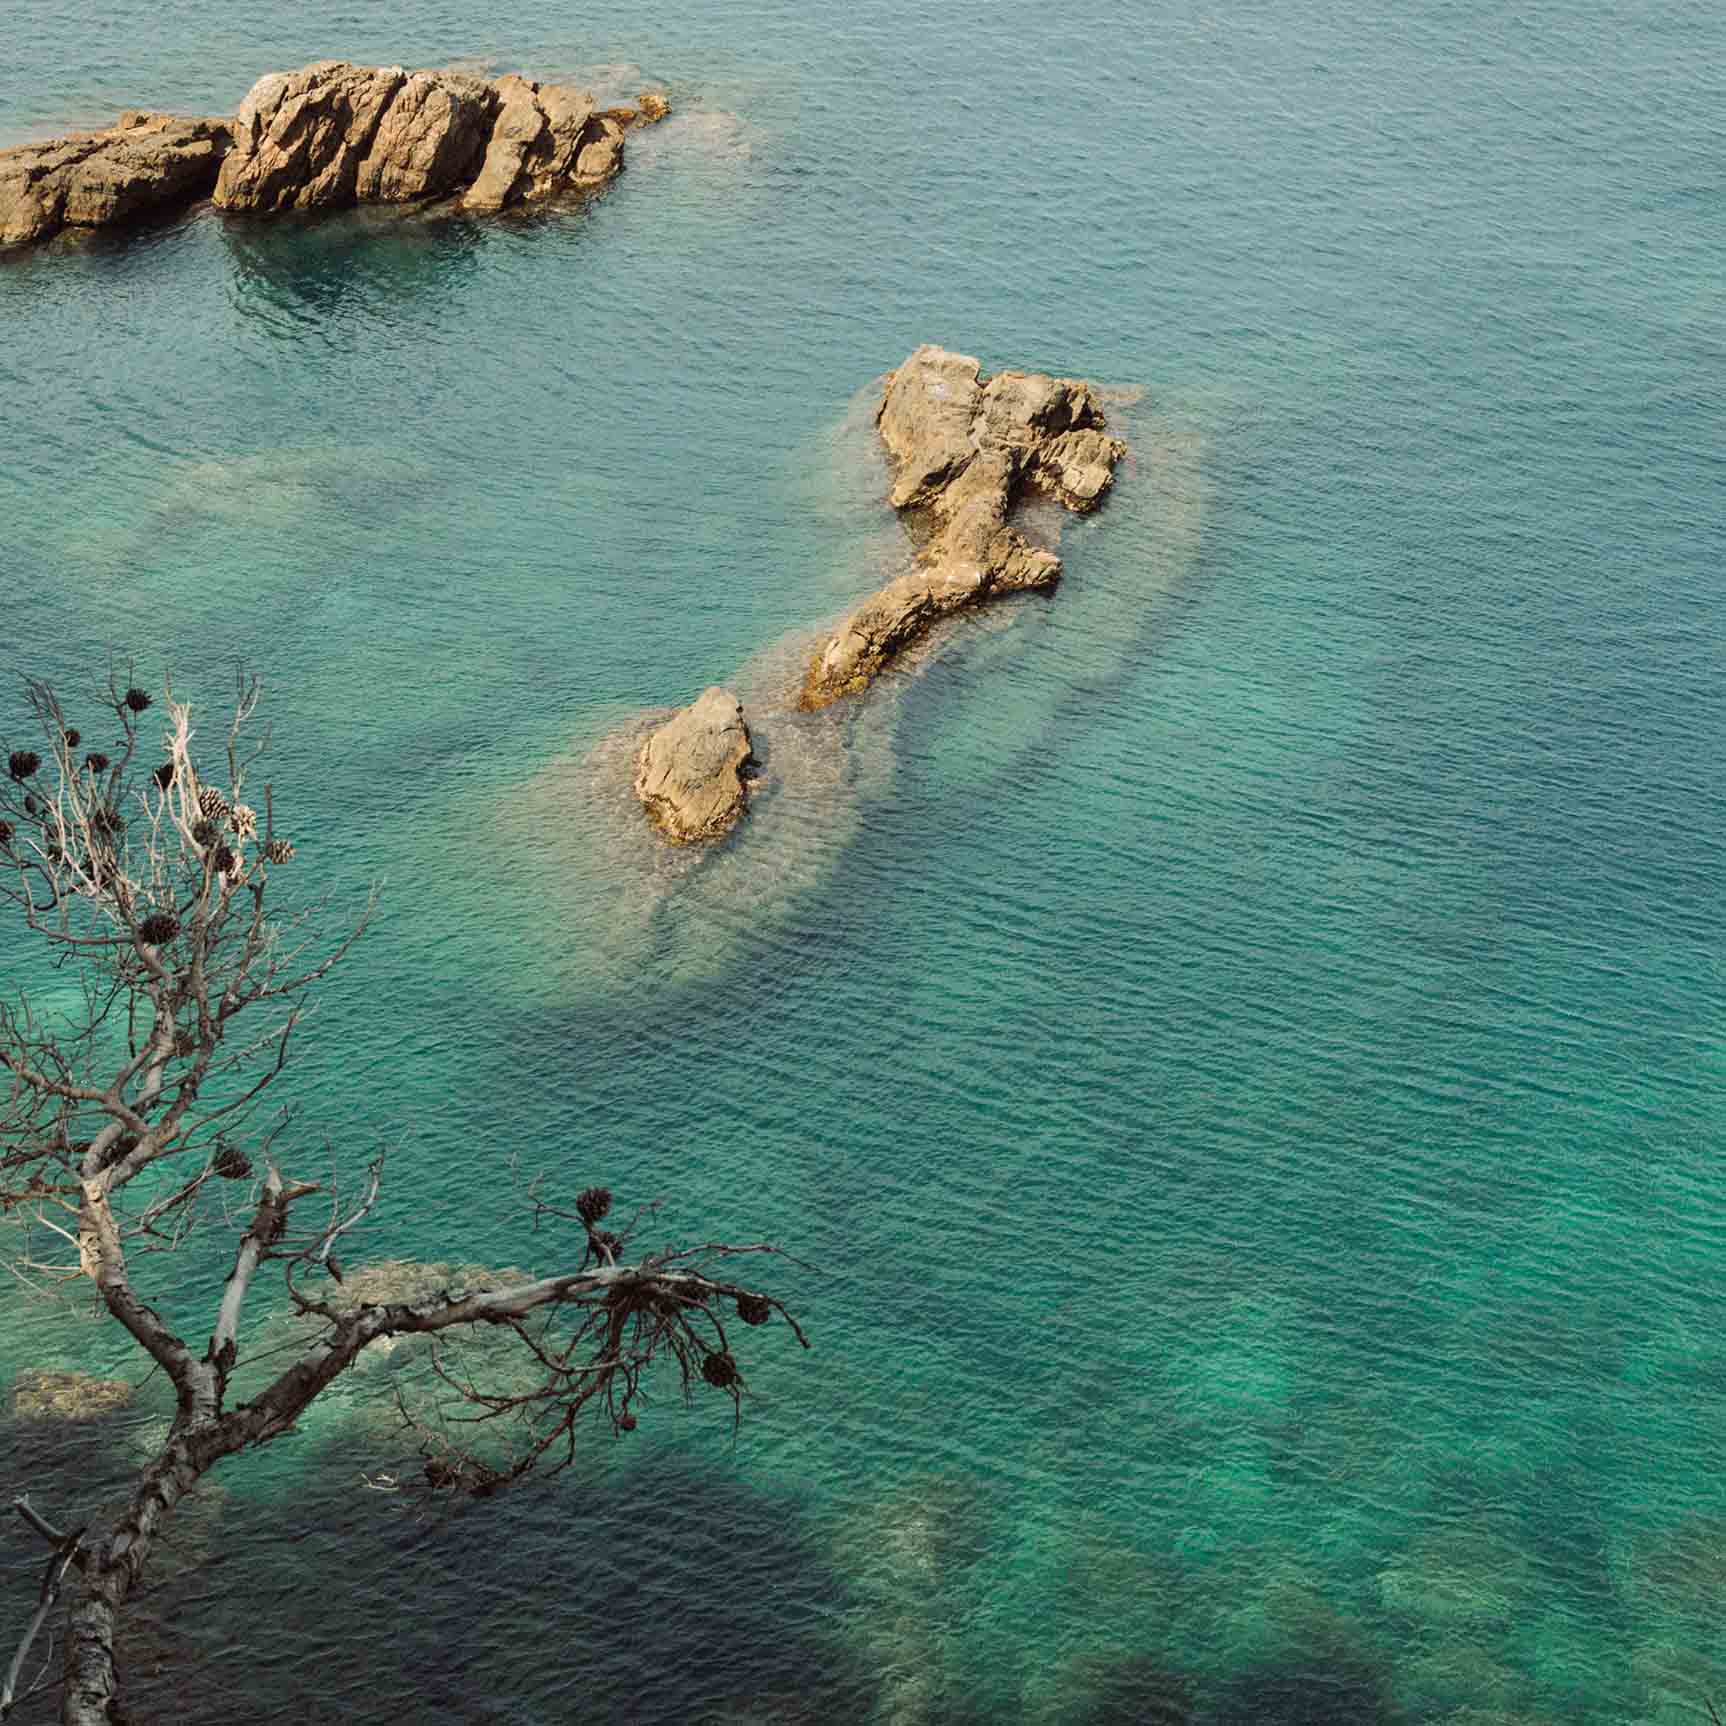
{"x":689,"y":773}
{"x":143,"y":164}
{"x":963,"y":452}
{"x":40,"y":1393}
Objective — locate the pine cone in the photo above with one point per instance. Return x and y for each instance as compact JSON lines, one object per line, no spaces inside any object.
{"x":752,"y":1309}
{"x":593,"y":1203}
{"x":136,"y":700}
{"x":22,"y":763}
{"x":278,"y":851}
{"x":720,"y":1371}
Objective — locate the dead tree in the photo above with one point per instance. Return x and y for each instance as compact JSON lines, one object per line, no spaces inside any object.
{"x":154,"y":882}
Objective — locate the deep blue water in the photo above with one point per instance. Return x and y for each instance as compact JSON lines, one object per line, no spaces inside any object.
{"x":1243,"y":1041}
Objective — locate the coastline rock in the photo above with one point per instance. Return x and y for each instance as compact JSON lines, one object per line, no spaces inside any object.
{"x":963,"y":452}
{"x":299,"y":137}
{"x":328,"y":135}
{"x":430,"y":139}
{"x":547,"y":137}
{"x":143,"y":164}
{"x":39,"y":1393}
{"x":689,"y":773}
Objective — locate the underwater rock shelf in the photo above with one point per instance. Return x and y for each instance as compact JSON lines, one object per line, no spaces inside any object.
{"x":965,"y":452}
{"x":329,"y":135}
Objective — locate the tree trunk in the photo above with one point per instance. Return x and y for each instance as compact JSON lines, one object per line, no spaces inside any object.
{"x":91,"y":1696}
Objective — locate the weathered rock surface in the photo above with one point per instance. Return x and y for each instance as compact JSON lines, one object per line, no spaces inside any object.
{"x":963,"y":453}
{"x":144,"y":164}
{"x":689,"y":773}
{"x":430,"y":139}
{"x":547,"y":137}
{"x":299,"y":137}
{"x":327,"y":135}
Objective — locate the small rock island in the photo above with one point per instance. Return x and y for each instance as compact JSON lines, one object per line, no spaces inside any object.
{"x":689,"y":773}
{"x":329,"y":135}
{"x":965,"y":451}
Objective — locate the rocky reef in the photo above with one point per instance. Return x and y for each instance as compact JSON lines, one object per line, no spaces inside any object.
{"x":964,"y":452}
{"x":689,"y":773}
{"x":328,"y":135}
{"x":40,"y":1393}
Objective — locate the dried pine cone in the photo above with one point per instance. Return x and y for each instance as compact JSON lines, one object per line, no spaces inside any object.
{"x":204,"y":832}
{"x":243,"y":819}
{"x":5,"y":832}
{"x":107,"y":821}
{"x":136,"y":700}
{"x":212,"y":805}
{"x":31,"y":806}
{"x":626,"y":1423}
{"x":232,"y":1164}
{"x":96,"y":761}
{"x":278,"y":851}
{"x":720,"y":1371}
{"x":164,"y":775}
{"x":72,"y":738}
{"x":593,"y":1203}
{"x":22,"y":763}
{"x":752,"y":1309}
{"x":224,"y":860}
{"x":158,"y":928}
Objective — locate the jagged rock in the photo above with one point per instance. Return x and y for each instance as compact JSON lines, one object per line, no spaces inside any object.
{"x":39,"y":1393}
{"x":431,"y":139}
{"x":329,"y":134}
{"x":299,"y":137}
{"x":548,"y":137}
{"x":144,"y":164}
{"x":689,"y":773}
{"x":963,"y":450}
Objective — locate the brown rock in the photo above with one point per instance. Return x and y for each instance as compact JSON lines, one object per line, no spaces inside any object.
{"x":547,"y":139}
{"x":147,"y":164}
{"x":689,"y":773}
{"x":299,"y":137}
{"x":962,"y":452}
{"x":430,"y":140}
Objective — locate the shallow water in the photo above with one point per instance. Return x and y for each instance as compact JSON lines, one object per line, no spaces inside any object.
{"x":1242,"y":1039}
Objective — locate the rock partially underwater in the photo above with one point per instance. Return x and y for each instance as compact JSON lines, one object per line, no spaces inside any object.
{"x":143,"y":165}
{"x":689,"y":773}
{"x":964,"y":452}
{"x":328,"y":135}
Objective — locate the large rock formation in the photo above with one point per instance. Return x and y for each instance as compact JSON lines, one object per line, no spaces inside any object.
{"x":334,"y":133}
{"x":327,"y":135}
{"x":963,"y":452}
{"x":689,"y":773}
{"x":143,"y":164}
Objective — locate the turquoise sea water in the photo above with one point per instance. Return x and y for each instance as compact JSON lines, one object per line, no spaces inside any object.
{"x":1243,"y":1041}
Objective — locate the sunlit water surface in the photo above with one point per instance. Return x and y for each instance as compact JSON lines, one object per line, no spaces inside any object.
{"x":1242,"y":1041}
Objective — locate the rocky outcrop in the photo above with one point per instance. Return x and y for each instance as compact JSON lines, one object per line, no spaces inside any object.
{"x":144,"y":164}
{"x":689,"y":773}
{"x":335,"y":133}
{"x":964,"y":451}
{"x":327,"y":135}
